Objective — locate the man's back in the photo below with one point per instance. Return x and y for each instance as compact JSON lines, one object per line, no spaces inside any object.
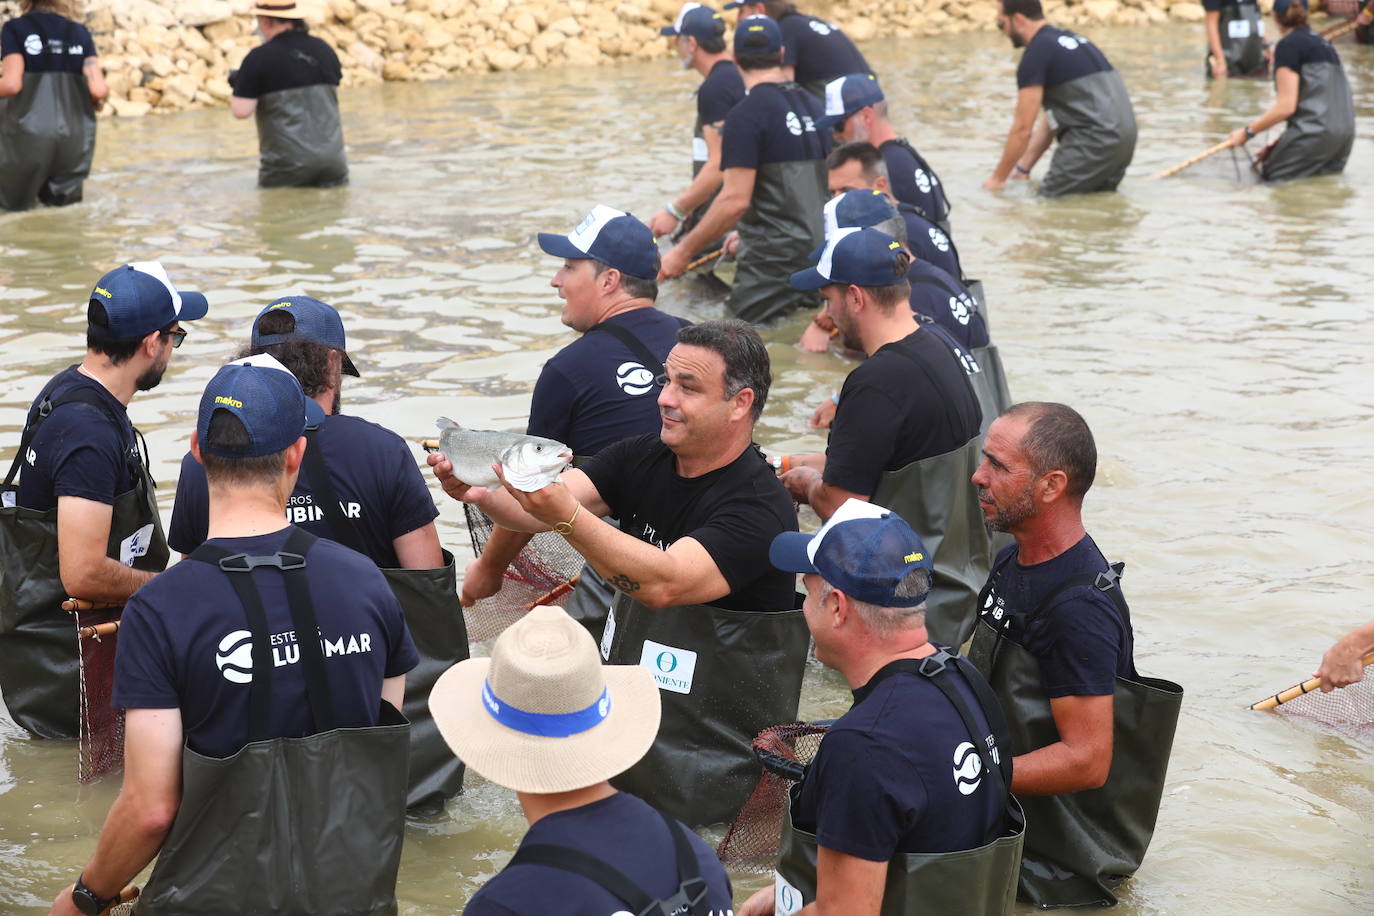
{"x":936,"y":293}
{"x":817,"y":50}
{"x":914,"y":181}
{"x":291,"y":60}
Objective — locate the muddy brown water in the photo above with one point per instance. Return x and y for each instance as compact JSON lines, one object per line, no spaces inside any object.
{"x":1214,"y":333}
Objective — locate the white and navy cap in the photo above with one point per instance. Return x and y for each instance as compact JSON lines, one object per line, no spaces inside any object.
{"x":846,"y":95}
{"x":854,"y":257}
{"x":610,"y":236}
{"x":139,"y":298}
{"x":696,"y":21}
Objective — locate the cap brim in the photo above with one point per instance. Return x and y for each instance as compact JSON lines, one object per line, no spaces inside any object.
{"x":668,"y":30}
{"x":560,"y":246}
{"x":808,"y":279}
{"x":788,"y":552}
{"x":348,"y":367}
{"x":539,"y":764}
{"x":193,"y":306}
{"x":828,"y":122}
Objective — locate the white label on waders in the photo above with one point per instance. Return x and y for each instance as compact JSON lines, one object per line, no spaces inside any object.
{"x":9,"y":499}
{"x":1238,"y":28}
{"x":699,"y":151}
{"x":608,"y":634}
{"x":671,"y":667}
{"x":786,"y":898}
{"x":135,"y":545}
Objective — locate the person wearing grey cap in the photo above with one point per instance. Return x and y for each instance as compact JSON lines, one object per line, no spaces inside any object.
{"x":83,"y":519}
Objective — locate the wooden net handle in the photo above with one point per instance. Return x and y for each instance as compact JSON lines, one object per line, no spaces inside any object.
{"x":703,"y":260}
{"x":1194,"y":159}
{"x":99,"y":630}
{"x":429,"y":445}
{"x":1298,"y":690}
{"x":1338,"y":31}
{"x":81,"y":604}
{"x":557,"y":592}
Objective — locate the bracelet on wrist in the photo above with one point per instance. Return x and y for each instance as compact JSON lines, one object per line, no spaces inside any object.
{"x":1019,"y":170}
{"x":677,"y":214}
{"x":1249,"y":132}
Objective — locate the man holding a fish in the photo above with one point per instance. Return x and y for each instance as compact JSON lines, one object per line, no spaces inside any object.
{"x":698,"y":506}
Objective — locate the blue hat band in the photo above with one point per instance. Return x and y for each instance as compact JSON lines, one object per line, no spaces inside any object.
{"x":547,"y":724}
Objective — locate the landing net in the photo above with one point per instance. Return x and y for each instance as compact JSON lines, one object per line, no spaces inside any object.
{"x":751,"y":843}
{"x":1348,"y":711}
{"x":537,"y":575}
{"x":101,"y":727}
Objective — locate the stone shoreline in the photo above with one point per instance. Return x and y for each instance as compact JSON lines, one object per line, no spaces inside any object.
{"x":176,"y":54}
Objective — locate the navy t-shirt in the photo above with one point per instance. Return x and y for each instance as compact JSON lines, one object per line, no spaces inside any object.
{"x":928,"y":242}
{"x":775,"y":122}
{"x":621,"y":830}
{"x":1057,"y":56}
{"x":596,"y":390}
{"x":291,"y":60}
{"x":184,"y":643}
{"x":912,"y":179}
{"x":893,"y":412}
{"x":734,"y":512}
{"x":899,"y":773}
{"x":77,"y":450}
{"x":722,"y":90}
{"x":1082,"y":641}
{"x":376,"y":478}
{"x":1303,"y":46}
{"x":1216,"y":6}
{"x":937,"y":294}
{"x":68,"y":43}
{"x":817,"y":50}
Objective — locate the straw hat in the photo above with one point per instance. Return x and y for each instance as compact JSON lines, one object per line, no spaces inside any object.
{"x":543,"y":714}
{"x":278,"y":9}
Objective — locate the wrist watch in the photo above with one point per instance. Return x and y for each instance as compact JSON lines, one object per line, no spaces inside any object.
{"x":87,"y":901}
{"x":1249,"y":134}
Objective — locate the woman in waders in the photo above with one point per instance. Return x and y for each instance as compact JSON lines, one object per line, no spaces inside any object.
{"x":1235,"y":39}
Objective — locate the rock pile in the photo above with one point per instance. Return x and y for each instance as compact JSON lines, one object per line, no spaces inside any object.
{"x":176,"y":54}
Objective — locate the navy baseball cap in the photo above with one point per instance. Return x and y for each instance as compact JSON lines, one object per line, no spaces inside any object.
{"x":1281,"y":6}
{"x":854,"y":257}
{"x":854,"y":208}
{"x":757,"y":35}
{"x":315,"y":322}
{"x":610,"y":236}
{"x":864,"y":551}
{"x":696,"y":21}
{"x":736,"y":4}
{"x":139,"y":298}
{"x":846,"y":95}
{"x":266,"y":398}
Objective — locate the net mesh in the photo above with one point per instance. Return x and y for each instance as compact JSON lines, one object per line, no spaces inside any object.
{"x":546,"y":563}
{"x":751,"y":843}
{"x":1349,"y":711}
{"x":101,"y":738}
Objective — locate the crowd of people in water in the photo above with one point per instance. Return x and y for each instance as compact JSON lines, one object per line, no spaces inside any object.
{"x":1001,"y":744}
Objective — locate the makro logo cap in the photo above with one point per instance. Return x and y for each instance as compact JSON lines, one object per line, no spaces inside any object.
{"x":857,"y":208}
{"x":610,"y":236}
{"x":696,"y":21}
{"x":846,"y":95}
{"x":757,"y":35}
{"x":863,"y":550}
{"x":854,"y":257}
{"x":139,"y":298}
{"x":313,"y":322}
{"x":266,"y":398}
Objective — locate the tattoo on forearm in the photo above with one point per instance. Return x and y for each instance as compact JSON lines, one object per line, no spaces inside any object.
{"x":624,"y":583}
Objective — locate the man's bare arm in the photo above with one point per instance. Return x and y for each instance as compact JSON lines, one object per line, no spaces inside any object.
{"x":83,"y":533}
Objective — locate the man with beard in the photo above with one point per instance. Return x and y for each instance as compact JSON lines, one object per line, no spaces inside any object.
{"x":90,"y":528}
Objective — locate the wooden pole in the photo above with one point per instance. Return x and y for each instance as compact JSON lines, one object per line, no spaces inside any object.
{"x":558,"y":592}
{"x":1338,"y":30}
{"x":701,"y":261}
{"x":1298,"y":690}
{"x":1224,"y":144}
{"x":99,"y":630}
{"x":81,"y":604}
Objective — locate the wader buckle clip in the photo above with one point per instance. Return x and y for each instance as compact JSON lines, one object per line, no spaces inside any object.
{"x":689,"y":894}
{"x":242,"y":562}
{"x":932,"y":665}
{"x":1108,"y":578}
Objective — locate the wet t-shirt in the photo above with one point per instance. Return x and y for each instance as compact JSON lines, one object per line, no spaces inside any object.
{"x":908,"y":401}
{"x":775,"y":122}
{"x":817,"y":50}
{"x":50,"y":43}
{"x":912,"y":179}
{"x":621,"y":830}
{"x":375,"y":476}
{"x":733,"y":512}
{"x":937,"y":294}
{"x":78,"y":450}
{"x":1303,"y":46}
{"x":873,"y":792}
{"x":185,"y":643}
{"x":1082,"y":641}
{"x":291,"y":60}
{"x":596,"y":390}
{"x":928,"y":242}
{"x":1056,"y":56}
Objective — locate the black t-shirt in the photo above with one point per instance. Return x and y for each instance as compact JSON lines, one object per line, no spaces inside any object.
{"x":734,"y":512}
{"x":1216,"y":6}
{"x":817,"y":50}
{"x":899,"y":773}
{"x":775,"y":122}
{"x":376,"y":478}
{"x":596,"y":390}
{"x":894,"y":411}
{"x":1303,"y":46}
{"x":1057,"y":56}
{"x":939,"y":295}
{"x":1082,"y":641}
{"x":720,"y":91}
{"x":289,"y":61}
{"x":621,"y":830}
{"x":77,"y":450}
{"x":929,"y":242}
{"x":913,"y":180}
{"x":184,"y":643}
{"x":68,"y":43}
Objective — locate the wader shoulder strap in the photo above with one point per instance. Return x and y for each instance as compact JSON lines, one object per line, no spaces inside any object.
{"x":340,"y":526}
{"x":635,"y":345}
{"x":691,"y":891}
{"x":1108,"y":582}
{"x":45,"y":408}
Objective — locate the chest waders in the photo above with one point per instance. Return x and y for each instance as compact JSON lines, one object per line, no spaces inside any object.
{"x":300,"y":137}
{"x":47,"y":133}
{"x":936,"y":497}
{"x":308,"y":825}
{"x":1318,"y":136}
{"x":1094,"y":125}
{"x":40,"y":673}
{"x":687,"y":900}
{"x":723,"y":676}
{"x":1080,"y":846}
{"x":782,"y":226}
{"x":968,"y":882}
{"x":434,"y":616}
{"x":1242,"y":40}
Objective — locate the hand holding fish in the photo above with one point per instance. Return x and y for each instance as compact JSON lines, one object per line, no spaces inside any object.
{"x":443,"y":471}
{"x":550,"y":505}
{"x":528,"y":462}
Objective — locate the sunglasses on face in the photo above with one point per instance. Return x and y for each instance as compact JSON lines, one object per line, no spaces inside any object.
{"x":177,"y":337}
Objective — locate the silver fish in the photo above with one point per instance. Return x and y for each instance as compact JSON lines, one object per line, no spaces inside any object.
{"x":529,"y":462}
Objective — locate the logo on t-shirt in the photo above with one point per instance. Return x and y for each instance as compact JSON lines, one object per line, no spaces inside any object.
{"x":821,"y":28}
{"x":794,"y":125}
{"x":1070,"y":42}
{"x":923,"y":181}
{"x":939,"y":239}
{"x":634,"y":379}
{"x":961,"y":307}
{"x":968,"y":768}
{"x":235,"y":657}
{"x":33,"y":45}
{"x":31,"y":457}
